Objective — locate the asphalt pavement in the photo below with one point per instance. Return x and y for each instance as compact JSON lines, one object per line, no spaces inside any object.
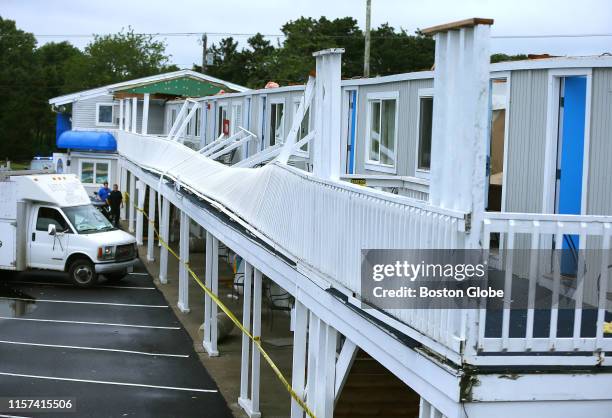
{"x":115,"y":350}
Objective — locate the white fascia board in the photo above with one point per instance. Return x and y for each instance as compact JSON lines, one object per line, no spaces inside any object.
{"x":419,"y":75}
{"x":556,"y":386}
{"x":85,"y":94}
{"x":553,"y":63}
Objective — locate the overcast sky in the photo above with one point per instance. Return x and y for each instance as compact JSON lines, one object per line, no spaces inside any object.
{"x":512,"y":17}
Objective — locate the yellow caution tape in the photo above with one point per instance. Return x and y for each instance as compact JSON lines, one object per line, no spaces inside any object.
{"x":607,"y":327}
{"x":256,"y":339}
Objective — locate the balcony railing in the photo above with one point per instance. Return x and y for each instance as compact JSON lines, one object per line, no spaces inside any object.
{"x":559,"y":265}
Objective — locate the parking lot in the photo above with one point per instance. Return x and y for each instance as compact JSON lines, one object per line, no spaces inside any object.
{"x":117,"y":350}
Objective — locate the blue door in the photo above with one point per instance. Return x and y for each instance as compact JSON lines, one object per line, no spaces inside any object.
{"x":570,"y":161}
{"x":352,"y":126}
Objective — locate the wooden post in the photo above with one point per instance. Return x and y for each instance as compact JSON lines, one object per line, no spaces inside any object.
{"x":328,"y":102}
{"x":121,"y":114}
{"x":246,"y":342}
{"x":183,"y":294}
{"x":134,"y":113}
{"x":132,"y":200}
{"x":145,"y":114}
{"x":164,"y":226}
{"x":298,"y":371}
{"x":123,"y":188}
{"x":140,"y":198}
{"x":460,"y":130}
{"x":256,"y":356}
{"x":210,"y":308}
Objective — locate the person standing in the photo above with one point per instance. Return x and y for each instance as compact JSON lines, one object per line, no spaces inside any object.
{"x":104,"y":192}
{"x":115,"y":201}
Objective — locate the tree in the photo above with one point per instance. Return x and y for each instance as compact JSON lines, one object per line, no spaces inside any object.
{"x":504,"y":57}
{"x":397,"y":52}
{"x":304,"y":36}
{"x":112,"y":58}
{"x":51,"y":60}
{"x":17,"y":75}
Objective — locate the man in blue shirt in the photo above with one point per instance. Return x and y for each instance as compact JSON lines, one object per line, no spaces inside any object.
{"x":104,"y":192}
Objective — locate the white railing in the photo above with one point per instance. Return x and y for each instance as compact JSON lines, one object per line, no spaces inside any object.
{"x":576,"y":297}
{"x":323,"y":225}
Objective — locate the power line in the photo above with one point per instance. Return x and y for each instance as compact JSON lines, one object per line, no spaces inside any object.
{"x":282,"y":35}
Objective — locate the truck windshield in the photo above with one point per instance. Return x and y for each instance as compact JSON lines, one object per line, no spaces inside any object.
{"x":87,"y":219}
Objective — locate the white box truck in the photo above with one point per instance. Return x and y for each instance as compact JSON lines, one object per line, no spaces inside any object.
{"x":47,"y":222}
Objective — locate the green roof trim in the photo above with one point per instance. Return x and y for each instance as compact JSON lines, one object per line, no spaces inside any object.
{"x":183,"y":86}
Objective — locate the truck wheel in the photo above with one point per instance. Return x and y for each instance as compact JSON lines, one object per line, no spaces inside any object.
{"x":115,"y":277}
{"x":82,"y":273}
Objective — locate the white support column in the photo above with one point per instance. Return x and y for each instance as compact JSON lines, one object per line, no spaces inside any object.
{"x":151,"y":225}
{"x":298,"y":370}
{"x":313,"y":351}
{"x":141,"y":188}
{"x":343,"y":365}
{"x":128,"y":115}
{"x":145,"y":115}
{"x":123,"y":189}
{"x":256,"y":356}
{"x":244,"y":400}
{"x":134,"y":113}
{"x":328,"y":103}
{"x":460,"y":130}
{"x":246,"y":322}
{"x":183,"y":292}
{"x":121,"y":114}
{"x":131,"y":202}
{"x":326,"y":371}
{"x":164,"y":226}
{"x":210,"y":308}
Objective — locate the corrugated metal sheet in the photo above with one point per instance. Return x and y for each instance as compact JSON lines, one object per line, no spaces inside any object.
{"x":599,"y":191}
{"x":526,"y":141}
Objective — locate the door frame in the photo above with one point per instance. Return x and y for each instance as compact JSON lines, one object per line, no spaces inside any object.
{"x":552,"y":136}
{"x":346,"y":115}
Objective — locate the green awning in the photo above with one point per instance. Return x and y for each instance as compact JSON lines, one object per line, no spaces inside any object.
{"x":179,"y":87}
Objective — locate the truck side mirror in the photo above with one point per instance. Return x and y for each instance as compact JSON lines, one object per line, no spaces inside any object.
{"x":51,"y":229}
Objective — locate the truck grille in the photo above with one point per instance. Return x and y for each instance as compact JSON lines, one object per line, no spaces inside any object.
{"x":125,"y":252}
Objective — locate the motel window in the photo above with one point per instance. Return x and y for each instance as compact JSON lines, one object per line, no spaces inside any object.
{"x":94,"y":172}
{"x":424,"y":133}
{"x":276,"y":123}
{"x":104,"y":114}
{"x":382,"y":131}
{"x":304,"y":127}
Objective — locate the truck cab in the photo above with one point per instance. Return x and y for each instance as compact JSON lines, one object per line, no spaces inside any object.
{"x":51,"y":224}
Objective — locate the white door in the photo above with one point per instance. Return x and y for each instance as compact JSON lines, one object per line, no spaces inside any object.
{"x":48,"y":251}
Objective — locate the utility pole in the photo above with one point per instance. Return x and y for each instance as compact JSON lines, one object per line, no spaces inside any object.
{"x":204,"y":51}
{"x":366,"y":52}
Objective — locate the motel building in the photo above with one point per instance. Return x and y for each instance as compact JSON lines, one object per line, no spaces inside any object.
{"x":287,"y":185}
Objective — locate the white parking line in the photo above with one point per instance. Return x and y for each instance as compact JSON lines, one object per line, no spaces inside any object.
{"x":139,"y":274}
{"x":12,"y":416}
{"x":15,"y":282}
{"x":74,"y":347}
{"x":104,"y":382}
{"x":88,"y":323}
{"x":84,"y":302}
